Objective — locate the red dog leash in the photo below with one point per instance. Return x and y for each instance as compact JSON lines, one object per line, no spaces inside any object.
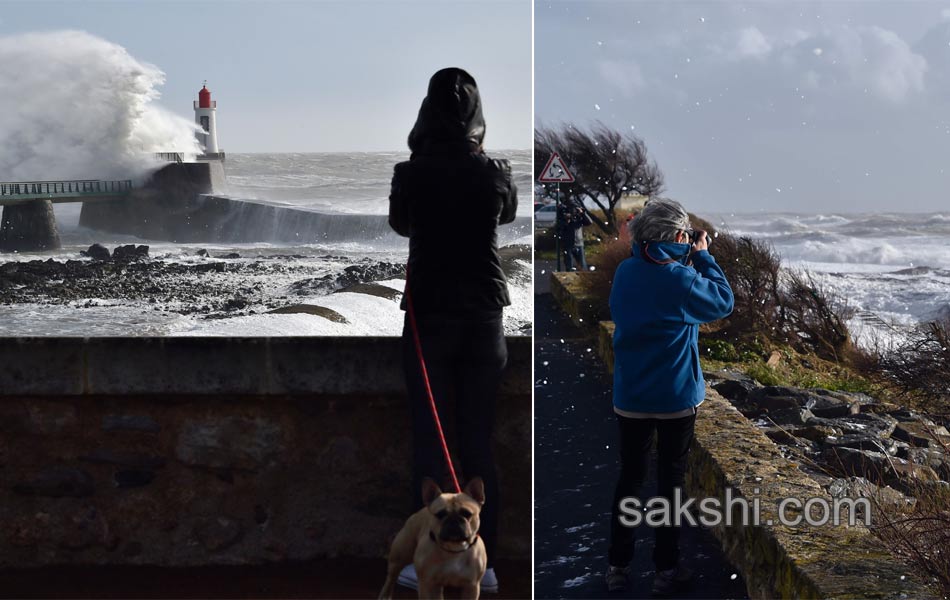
{"x":425,"y":378}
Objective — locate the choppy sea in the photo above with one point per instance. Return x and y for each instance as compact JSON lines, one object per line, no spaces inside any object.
{"x":350,"y":183}
{"x":893,"y":269}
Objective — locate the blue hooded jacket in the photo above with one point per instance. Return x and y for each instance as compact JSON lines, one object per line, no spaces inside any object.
{"x":657,"y":310}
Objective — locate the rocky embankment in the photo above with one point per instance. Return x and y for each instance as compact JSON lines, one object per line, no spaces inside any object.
{"x":851,"y":443}
{"x":213,"y":286}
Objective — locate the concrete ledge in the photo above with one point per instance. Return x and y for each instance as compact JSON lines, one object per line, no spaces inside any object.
{"x":779,"y":561}
{"x":74,"y":366}
{"x":572,"y":296}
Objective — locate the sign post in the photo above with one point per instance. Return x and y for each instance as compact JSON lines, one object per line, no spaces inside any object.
{"x":555,"y":171}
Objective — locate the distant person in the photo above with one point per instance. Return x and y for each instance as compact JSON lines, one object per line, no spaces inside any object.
{"x":449,"y":199}
{"x":572,"y":218}
{"x":660,"y":296}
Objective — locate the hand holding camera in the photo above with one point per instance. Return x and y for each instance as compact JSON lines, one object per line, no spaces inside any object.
{"x":699,"y":240}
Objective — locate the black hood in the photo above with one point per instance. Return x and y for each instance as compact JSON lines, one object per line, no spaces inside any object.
{"x":451,"y":113}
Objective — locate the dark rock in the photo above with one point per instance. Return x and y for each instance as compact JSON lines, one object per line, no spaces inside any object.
{"x":815,"y":433}
{"x":229,"y":443}
{"x":130,"y":252}
{"x":907,"y":476}
{"x":879,"y":425}
{"x":789,"y":416}
{"x":861,"y":463}
{"x":58,"y":482}
{"x":372,"y":289}
{"x":131,"y":478}
{"x":97,"y":252}
{"x":235,"y":304}
{"x":218,"y":533}
{"x":862,"y":441}
{"x":922,"y":435}
{"x":735,"y":390}
{"x":310,"y":309}
{"x":935,"y":459}
{"x":228,"y":255}
{"x":135,"y":460}
{"x":130,"y":423}
{"x":351,"y":275}
{"x":831,"y":407}
{"x":860,"y":487}
{"x":202,"y":252}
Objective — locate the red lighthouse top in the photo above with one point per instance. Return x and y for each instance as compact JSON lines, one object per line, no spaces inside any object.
{"x":204,"y":97}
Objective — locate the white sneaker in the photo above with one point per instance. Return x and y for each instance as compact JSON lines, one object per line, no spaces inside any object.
{"x":490,"y":582}
{"x":409,"y":579}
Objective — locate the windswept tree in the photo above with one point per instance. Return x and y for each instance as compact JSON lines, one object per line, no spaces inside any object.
{"x":606,"y":165}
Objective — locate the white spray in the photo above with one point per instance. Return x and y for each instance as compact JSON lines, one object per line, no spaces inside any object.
{"x":73,"y":105}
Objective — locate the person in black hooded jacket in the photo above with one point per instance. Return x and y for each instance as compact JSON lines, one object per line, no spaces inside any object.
{"x":449,"y":199}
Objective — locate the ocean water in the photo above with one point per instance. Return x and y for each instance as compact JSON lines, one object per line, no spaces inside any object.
{"x":266,"y":271}
{"x":892,"y":268}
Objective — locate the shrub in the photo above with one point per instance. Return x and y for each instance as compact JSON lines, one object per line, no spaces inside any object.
{"x":753,"y":270}
{"x":815,"y":317}
{"x":920,"y":366}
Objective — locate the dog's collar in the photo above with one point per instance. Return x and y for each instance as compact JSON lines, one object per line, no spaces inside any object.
{"x":469,"y":543}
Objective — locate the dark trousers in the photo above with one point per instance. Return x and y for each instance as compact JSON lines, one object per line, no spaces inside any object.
{"x":673,"y":439}
{"x":464,"y":358}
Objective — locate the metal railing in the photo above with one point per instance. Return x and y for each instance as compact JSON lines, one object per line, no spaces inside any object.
{"x":65,"y":188}
{"x":175,"y":157}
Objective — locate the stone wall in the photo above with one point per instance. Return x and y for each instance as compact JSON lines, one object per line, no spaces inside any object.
{"x":197,"y":451}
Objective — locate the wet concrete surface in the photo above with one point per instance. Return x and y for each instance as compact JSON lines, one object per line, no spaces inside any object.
{"x":576,"y":466}
{"x":337,"y":578}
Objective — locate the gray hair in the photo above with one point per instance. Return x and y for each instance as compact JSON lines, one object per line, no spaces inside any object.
{"x":659,"y":221}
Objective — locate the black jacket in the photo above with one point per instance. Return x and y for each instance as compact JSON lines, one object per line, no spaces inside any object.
{"x":449,"y":199}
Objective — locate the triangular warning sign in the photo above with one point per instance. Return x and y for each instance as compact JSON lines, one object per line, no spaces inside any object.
{"x":556,"y":171}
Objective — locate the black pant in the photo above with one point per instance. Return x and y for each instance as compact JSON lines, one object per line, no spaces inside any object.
{"x":465,"y":357}
{"x":674,"y":437}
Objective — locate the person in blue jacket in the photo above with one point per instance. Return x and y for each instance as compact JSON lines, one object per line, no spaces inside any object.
{"x":660,"y":296}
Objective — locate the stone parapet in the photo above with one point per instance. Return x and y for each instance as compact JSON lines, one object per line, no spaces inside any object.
{"x":200,"y":451}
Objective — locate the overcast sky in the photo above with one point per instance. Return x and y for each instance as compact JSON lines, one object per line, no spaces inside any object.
{"x":803,"y":107}
{"x":317,"y":75}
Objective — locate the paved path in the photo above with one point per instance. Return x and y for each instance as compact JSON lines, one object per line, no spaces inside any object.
{"x":575,"y":469}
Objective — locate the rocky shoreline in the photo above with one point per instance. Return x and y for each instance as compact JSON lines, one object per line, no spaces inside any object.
{"x":213,"y":287}
{"x":852,"y":444}
{"x":203,"y":285}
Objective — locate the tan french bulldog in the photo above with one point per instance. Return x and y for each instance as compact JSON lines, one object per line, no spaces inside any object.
{"x":442,"y":541}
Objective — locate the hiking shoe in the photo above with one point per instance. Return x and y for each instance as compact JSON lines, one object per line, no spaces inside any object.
{"x":490,"y":581}
{"x":666,"y":583}
{"x":617,"y":578}
{"x":409,"y":579}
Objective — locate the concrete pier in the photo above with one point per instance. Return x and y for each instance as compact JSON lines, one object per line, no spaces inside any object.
{"x":29,"y":227}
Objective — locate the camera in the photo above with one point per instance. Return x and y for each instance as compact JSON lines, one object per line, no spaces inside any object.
{"x":697,"y":234}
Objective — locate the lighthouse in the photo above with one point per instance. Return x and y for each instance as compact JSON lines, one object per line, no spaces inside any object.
{"x":204,"y":117}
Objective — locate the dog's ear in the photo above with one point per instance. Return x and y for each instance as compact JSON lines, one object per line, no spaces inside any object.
{"x":430,"y":490}
{"x":476,"y":489}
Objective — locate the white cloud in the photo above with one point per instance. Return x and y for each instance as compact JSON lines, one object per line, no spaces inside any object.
{"x":626,"y":76}
{"x":752,"y":43}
